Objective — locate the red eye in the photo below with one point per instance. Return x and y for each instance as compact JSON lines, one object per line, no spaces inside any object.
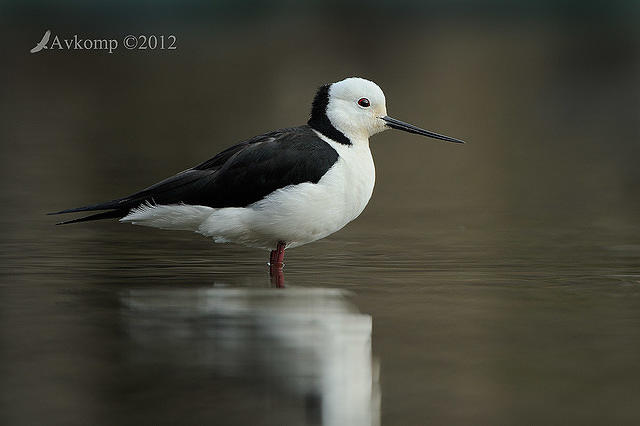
{"x":364,"y":102}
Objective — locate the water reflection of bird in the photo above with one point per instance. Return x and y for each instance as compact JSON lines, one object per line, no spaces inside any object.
{"x":278,"y":190}
{"x":309,"y":346}
{"x":43,"y":43}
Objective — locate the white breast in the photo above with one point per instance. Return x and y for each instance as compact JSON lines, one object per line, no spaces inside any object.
{"x":351,"y":179}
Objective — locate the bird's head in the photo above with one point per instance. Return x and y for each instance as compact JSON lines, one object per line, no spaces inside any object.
{"x":355,"y":109}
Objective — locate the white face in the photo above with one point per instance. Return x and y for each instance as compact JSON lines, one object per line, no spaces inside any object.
{"x":355,"y":108}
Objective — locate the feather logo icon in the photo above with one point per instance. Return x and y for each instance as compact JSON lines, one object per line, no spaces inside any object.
{"x":43,"y":43}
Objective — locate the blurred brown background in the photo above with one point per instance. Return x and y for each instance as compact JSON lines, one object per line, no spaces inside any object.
{"x":548,"y":95}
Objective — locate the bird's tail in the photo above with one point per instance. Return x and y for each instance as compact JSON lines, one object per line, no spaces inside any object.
{"x":117,"y":209}
{"x":104,"y":215}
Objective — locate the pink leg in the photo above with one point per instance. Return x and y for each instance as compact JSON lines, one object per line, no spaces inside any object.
{"x":280,"y":251}
{"x":276,"y":258}
{"x":275,"y":265}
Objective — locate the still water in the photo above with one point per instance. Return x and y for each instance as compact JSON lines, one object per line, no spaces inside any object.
{"x":492,"y":283}
{"x":110,"y":324}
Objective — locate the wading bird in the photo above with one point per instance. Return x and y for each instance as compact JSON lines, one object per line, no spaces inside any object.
{"x":278,"y":190}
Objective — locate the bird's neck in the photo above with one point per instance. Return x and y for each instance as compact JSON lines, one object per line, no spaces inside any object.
{"x":322,"y":124}
{"x":355,"y":145}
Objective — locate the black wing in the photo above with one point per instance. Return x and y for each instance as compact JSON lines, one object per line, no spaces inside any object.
{"x":236,"y":177}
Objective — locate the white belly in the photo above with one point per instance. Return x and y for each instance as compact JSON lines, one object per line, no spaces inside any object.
{"x":297,"y":214}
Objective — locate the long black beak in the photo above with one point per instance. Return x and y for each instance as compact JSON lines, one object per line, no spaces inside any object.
{"x":401,"y":125}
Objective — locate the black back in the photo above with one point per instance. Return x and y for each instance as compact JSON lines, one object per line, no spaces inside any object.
{"x":236,"y":177}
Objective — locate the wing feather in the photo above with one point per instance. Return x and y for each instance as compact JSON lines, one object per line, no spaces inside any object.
{"x":238,"y":176}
